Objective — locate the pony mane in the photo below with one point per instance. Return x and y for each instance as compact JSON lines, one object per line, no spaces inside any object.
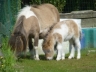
{"x":35,"y":6}
{"x":50,"y":30}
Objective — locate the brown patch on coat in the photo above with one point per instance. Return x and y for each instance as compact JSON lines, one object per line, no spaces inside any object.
{"x":47,"y":15}
{"x":48,"y":42}
{"x":58,"y":37}
{"x":31,"y":26}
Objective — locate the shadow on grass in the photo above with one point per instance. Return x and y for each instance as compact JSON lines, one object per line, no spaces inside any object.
{"x":21,"y":58}
{"x":84,"y":53}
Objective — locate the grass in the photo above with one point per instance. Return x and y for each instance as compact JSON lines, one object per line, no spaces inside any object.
{"x":87,"y":63}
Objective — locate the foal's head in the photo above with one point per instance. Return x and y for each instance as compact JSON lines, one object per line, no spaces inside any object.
{"x":16,"y":43}
{"x":48,"y":47}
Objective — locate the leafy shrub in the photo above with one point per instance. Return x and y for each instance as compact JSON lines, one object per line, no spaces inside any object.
{"x":7,"y":61}
{"x":58,"y":3}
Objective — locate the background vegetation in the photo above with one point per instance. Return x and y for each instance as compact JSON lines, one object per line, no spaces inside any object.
{"x":66,"y":5}
{"x":57,"y":3}
{"x":7,"y":59}
{"x":10,"y":8}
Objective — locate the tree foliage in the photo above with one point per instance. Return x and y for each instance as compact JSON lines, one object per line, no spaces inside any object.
{"x":58,"y":3}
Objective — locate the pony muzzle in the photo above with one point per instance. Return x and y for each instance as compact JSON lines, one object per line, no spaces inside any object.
{"x":49,"y":58}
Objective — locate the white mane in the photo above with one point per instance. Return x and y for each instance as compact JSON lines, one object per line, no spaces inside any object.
{"x":26,"y":12}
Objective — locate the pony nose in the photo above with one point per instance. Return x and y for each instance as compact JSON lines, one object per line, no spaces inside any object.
{"x":49,"y":58}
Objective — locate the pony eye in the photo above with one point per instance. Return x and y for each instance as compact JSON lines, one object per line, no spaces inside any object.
{"x":48,"y":51}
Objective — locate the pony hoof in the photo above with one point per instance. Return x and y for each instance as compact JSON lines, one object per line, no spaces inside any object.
{"x":49,"y":58}
{"x":78,"y":57}
{"x":36,"y":59}
{"x":63,"y":58}
{"x":58,"y":59}
{"x":70,"y":57}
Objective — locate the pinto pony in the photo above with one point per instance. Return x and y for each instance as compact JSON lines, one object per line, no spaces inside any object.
{"x":66,"y":30}
{"x":32,"y":22}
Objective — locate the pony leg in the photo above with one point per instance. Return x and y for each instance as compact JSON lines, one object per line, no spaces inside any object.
{"x":59,"y":51}
{"x":31,"y":47}
{"x":36,"y":57}
{"x":78,"y":46}
{"x":63,"y":55}
{"x":72,"y":51}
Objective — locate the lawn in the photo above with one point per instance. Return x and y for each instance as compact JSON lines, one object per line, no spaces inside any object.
{"x":87,"y":63}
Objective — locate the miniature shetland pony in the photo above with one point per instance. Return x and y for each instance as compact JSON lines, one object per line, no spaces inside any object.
{"x":32,"y":22}
{"x":66,"y":30}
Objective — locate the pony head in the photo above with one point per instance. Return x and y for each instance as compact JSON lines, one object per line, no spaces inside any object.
{"x":48,"y":47}
{"x":16,"y":43}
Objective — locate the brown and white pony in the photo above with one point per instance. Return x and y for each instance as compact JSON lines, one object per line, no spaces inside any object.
{"x":32,"y":22}
{"x":67,"y":30}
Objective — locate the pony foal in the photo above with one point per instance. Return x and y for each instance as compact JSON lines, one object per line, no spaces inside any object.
{"x":66,"y":30}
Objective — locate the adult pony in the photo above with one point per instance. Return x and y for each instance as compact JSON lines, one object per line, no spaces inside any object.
{"x":67,"y":30}
{"x":32,"y":22}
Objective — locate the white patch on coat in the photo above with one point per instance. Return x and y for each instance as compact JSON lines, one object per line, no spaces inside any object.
{"x":77,"y":21}
{"x":63,"y":31}
{"x":27,"y":12}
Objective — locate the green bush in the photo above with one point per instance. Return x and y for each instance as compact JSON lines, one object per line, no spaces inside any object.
{"x":58,"y":3}
{"x":7,"y":61}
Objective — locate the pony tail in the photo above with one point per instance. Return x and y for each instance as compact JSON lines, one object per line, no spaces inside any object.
{"x":24,"y":42}
{"x":19,"y":31}
{"x":80,"y":35}
{"x":19,"y":44}
{"x":18,"y":41}
{"x":18,"y":25}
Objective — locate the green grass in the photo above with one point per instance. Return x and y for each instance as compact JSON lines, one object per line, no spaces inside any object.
{"x":87,"y":63}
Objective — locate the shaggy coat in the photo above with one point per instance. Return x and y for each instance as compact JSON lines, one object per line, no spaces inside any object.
{"x":66,"y":30}
{"x":32,"y":22}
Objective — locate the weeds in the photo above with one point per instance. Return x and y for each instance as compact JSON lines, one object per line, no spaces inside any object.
{"x":7,"y":61}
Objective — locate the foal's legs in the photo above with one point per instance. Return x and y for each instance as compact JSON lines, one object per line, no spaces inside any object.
{"x":78,"y":46}
{"x":63,"y":54}
{"x":59,"y":51}
{"x":72,"y":50}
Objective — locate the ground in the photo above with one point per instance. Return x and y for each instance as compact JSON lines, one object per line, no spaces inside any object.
{"x":87,"y":63}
